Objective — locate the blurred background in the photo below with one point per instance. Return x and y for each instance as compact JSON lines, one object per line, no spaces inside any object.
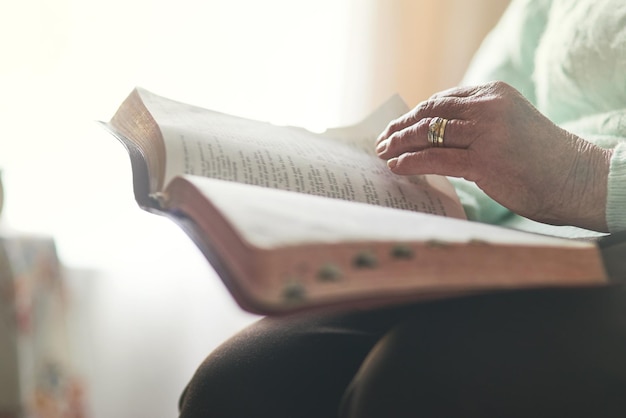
{"x":146,"y":308}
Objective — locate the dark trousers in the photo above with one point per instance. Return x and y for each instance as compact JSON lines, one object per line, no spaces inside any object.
{"x":550,"y":353}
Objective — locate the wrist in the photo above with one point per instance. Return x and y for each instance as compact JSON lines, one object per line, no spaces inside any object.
{"x":591,"y":185}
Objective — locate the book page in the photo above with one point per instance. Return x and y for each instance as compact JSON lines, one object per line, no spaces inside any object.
{"x":338,"y":164}
{"x":277,"y":218}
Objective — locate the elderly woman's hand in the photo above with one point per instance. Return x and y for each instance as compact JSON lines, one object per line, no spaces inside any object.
{"x":497,"y":139}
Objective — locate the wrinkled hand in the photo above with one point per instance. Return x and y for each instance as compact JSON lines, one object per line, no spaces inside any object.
{"x":497,"y":139}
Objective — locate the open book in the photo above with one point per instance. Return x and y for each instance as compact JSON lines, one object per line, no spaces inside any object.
{"x":293,"y":220}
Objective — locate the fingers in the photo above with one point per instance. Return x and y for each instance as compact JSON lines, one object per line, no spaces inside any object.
{"x":405,"y":142}
{"x":445,"y":106}
{"x":445,"y":162}
{"x":457,"y":134}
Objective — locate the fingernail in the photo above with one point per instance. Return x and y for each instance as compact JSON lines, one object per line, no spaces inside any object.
{"x":382,"y":147}
{"x":392,"y":163}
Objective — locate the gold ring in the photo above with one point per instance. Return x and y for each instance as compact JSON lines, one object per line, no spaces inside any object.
{"x":436,"y":131}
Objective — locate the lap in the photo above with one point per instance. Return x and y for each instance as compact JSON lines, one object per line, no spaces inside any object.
{"x":529,"y":354}
{"x":457,"y":353}
{"x":295,"y":366}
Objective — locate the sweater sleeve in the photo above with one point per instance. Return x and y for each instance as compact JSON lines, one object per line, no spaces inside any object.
{"x":616,"y":199}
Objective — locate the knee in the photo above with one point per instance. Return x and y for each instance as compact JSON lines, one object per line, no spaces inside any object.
{"x":391,"y":380}
{"x":207,"y":393}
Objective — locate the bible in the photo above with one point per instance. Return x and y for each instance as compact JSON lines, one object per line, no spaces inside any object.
{"x":292,"y":219}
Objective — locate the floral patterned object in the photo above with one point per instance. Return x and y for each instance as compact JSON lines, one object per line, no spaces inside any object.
{"x":37,"y":379}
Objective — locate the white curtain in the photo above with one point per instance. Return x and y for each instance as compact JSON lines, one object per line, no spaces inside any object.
{"x":151,"y":305}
